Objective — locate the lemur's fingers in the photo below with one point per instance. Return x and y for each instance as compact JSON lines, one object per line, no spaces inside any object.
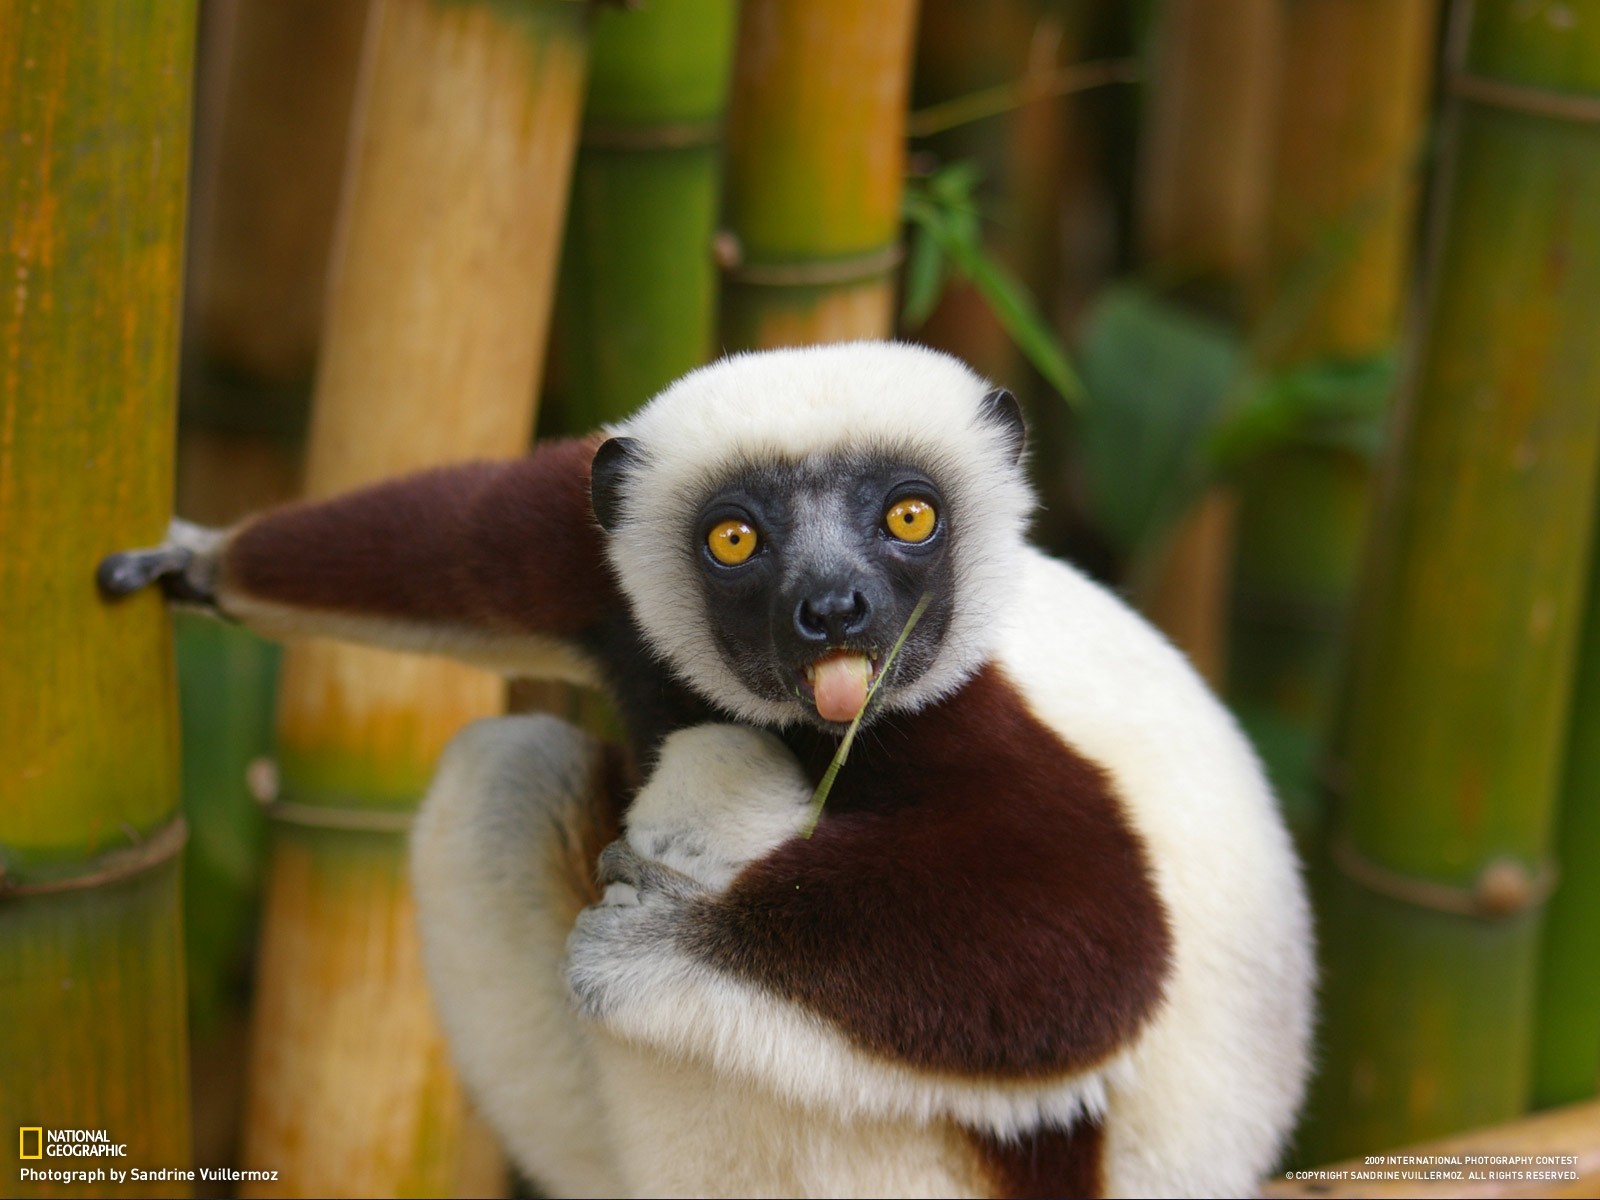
{"x":124,"y":573}
{"x":184,"y":565}
{"x":621,"y":864}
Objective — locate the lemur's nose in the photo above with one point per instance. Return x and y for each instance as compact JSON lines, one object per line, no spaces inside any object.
{"x":832,"y":616}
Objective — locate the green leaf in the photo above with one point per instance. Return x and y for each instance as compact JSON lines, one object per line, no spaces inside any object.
{"x":1159,"y":378}
{"x":947,"y":234}
{"x":925,"y":275}
{"x":1336,"y":403}
{"x":1013,"y":307}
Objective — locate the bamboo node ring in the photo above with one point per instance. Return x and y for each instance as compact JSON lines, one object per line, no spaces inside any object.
{"x":856,"y":268}
{"x":681,"y":135}
{"x":350,"y":820}
{"x":1504,"y":887}
{"x":1517,"y":97}
{"x":113,"y":866}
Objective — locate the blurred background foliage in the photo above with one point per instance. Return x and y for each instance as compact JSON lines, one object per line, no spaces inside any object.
{"x":1268,"y":275}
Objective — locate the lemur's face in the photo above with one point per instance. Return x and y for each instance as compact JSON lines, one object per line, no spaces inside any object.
{"x":810,"y":570}
{"x":775,"y":518}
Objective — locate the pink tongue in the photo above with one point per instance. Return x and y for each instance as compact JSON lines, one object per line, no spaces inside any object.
{"x":840,"y":683}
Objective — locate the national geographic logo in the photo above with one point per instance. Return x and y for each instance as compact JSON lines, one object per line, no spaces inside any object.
{"x":39,"y":1142}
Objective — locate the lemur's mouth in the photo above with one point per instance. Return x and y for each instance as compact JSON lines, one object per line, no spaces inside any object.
{"x":837,"y":683}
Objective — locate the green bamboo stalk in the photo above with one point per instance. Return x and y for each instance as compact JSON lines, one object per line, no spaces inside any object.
{"x":1350,"y":120}
{"x":1450,"y":742}
{"x":638,"y":295}
{"x":94,"y":100}
{"x":1566,"y":1058}
{"x":815,"y":171}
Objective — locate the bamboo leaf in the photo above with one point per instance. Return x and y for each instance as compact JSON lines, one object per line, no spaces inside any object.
{"x":820,"y":796}
{"x":925,"y":274}
{"x":1338,"y":405}
{"x":942,"y":209}
{"x":1159,"y":378}
{"x":1021,"y":318}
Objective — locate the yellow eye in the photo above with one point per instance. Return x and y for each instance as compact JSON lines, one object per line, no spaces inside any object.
{"x":732,"y":542}
{"x":910,"y":520}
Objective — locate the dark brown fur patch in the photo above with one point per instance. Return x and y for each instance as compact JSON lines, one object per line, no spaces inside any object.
{"x":1049,"y":1163}
{"x":505,"y":547}
{"x":972,"y":901}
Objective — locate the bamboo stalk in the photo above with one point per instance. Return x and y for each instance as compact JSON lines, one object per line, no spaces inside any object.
{"x":1566,"y":1056}
{"x":1205,"y":150}
{"x":638,"y":300}
{"x":276,"y":81}
{"x":1185,"y":589}
{"x":442,"y":283}
{"x":1202,"y":202}
{"x":94,"y":100}
{"x":1348,"y":138}
{"x":1567,"y":1024}
{"x":1452,"y":723}
{"x":265,"y":208}
{"x":816,"y":162}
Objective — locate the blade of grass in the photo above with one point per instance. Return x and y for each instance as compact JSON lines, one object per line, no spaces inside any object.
{"x":820,"y":796}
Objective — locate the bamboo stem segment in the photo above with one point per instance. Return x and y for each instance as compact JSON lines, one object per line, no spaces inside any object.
{"x":1451,"y":732}
{"x":1203,"y":177}
{"x":638,"y":303}
{"x":94,"y":100}
{"x":1566,"y":1056}
{"x":816,"y":162}
{"x":441,"y":287}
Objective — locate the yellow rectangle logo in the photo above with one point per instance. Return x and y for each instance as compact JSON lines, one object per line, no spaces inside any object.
{"x":38,"y":1141}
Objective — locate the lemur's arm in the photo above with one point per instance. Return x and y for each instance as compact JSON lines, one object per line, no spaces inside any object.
{"x":499,"y":563}
{"x":972,"y":932}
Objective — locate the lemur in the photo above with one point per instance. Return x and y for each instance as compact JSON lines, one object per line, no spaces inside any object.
{"x":1048,"y":936}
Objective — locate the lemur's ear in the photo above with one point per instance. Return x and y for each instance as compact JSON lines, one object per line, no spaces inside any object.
{"x":1000,"y":408}
{"x":612,"y":462}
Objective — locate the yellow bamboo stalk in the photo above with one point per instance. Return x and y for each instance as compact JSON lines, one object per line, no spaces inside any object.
{"x":440,"y":293}
{"x":816,"y":163}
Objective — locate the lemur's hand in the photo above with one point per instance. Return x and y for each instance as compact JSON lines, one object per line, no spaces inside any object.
{"x":720,"y":797}
{"x":185,"y":565}
{"x":623,"y":944}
